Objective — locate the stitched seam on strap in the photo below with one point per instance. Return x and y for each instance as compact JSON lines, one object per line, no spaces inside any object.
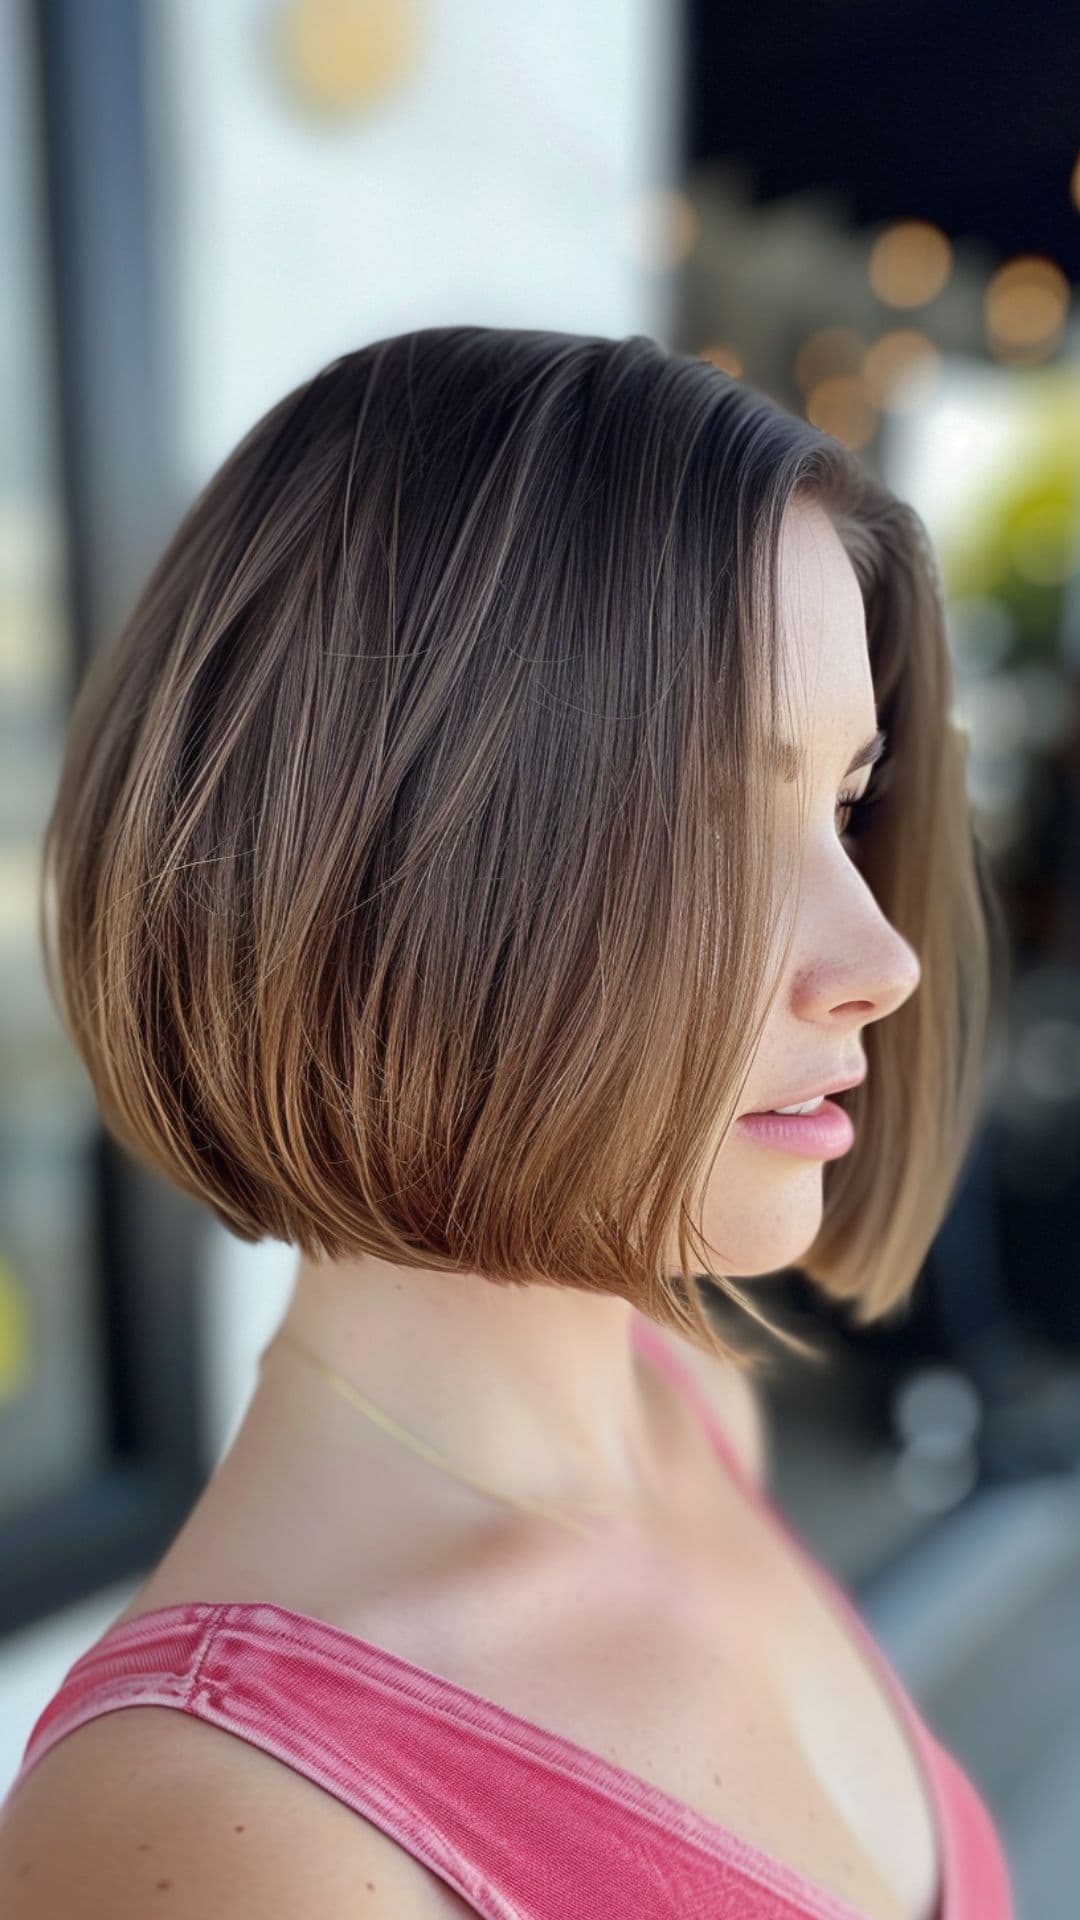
{"x":201,"y":1652}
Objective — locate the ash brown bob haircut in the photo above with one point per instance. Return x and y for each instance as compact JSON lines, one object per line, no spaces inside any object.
{"x":414,"y":857}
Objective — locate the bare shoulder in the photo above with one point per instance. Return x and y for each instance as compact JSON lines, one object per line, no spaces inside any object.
{"x":147,"y":1804}
{"x":739,"y":1403}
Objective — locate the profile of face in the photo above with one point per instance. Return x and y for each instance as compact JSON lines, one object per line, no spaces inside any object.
{"x":848,"y":965}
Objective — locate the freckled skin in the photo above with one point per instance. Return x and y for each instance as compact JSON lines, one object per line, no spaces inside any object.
{"x":848,"y":965}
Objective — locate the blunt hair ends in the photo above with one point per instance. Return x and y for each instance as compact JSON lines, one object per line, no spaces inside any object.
{"x":411,"y":883}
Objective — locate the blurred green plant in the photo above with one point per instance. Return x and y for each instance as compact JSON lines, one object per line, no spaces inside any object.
{"x":1018,"y":538}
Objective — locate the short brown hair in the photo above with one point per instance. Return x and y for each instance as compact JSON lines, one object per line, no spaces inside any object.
{"x":414,"y":843}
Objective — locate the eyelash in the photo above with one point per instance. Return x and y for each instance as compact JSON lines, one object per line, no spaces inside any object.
{"x":860,"y":808}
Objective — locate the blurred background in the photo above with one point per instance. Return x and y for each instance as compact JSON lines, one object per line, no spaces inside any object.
{"x":874,"y":216}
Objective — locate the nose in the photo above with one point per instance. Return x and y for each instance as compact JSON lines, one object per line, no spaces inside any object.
{"x":862,"y":967}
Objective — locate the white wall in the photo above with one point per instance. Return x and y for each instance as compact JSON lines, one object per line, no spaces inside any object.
{"x":496,"y":183}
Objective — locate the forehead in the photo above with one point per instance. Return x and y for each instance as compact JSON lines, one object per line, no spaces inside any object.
{"x":822,"y":634}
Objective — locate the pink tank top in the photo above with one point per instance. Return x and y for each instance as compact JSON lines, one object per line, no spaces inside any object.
{"x":523,"y":1824}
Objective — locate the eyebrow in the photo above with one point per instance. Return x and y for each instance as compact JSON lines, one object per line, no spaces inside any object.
{"x":790,"y":758}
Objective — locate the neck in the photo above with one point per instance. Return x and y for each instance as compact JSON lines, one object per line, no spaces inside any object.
{"x":535,"y":1390}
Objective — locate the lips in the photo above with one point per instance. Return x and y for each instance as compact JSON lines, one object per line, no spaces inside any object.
{"x":811,"y":1093}
{"x":824,"y":1134}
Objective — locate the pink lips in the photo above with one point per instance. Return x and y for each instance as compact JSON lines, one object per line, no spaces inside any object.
{"x":823,"y":1135}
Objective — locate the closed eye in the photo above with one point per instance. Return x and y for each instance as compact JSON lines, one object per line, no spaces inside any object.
{"x":859,"y":809}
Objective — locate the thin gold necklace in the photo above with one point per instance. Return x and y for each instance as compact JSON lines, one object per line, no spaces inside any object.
{"x":355,"y":1398}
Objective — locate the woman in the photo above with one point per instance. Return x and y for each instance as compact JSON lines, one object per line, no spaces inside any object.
{"x":530,"y":758}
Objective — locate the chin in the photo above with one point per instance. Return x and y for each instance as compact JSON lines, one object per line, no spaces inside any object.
{"x":777,"y":1222}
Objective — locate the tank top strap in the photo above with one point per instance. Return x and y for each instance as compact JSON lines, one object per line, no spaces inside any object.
{"x":520,"y":1822}
{"x":655,"y":1343}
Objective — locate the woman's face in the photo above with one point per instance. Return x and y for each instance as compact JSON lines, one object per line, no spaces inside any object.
{"x":848,"y":965}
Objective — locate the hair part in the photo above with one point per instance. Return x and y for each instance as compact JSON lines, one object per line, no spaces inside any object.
{"x":414,"y":854}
